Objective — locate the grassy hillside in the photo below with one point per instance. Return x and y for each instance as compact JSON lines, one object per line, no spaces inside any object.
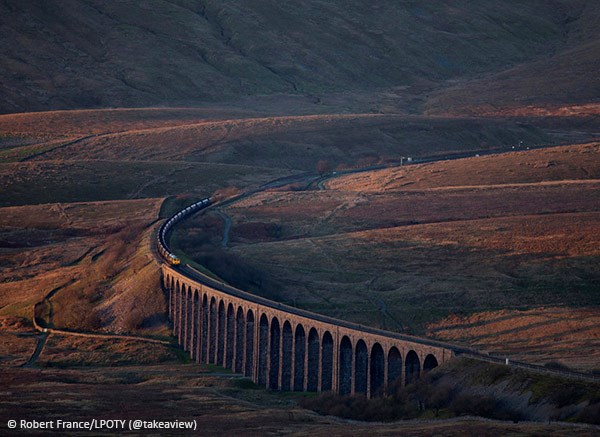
{"x":77,"y":181}
{"x":95,"y":255}
{"x":78,"y":54}
{"x":562,"y":76}
{"x":299,"y":142}
{"x":468,"y":387}
{"x":219,"y":405}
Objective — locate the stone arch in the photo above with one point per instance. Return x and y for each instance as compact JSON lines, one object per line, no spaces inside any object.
{"x":394,"y":369}
{"x":180,"y":313}
{"x":240,"y":331}
{"x":361,"y":366}
{"x":293,"y":357}
{"x":274,"y":358}
{"x":286,"y":356}
{"x":327,"y":362}
{"x":176,"y":311}
{"x":196,"y":323}
{"x":221,"y":334}
{"x":204,"y":334}
{"x":249,"y":354}
{"x":263,"y":349}
{"x":212,"y":329}
{"x":229,"y":338}
{"x":178,"y":305}
{"x":312,"y":382}
{"x":345,"y":378}
{"x":173,"y":303}
{"x":429,"y":363}
{"x":412,"y":367}
{"x":376,"y":370}
{"x":171,"y":299}
{"x":189,"y":319}
{"x":183,"y":317}
{"x":299,"y":357}
{"x":287,"y":342}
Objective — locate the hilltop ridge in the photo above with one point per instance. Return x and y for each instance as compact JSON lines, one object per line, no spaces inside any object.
{"x":90,"y":54}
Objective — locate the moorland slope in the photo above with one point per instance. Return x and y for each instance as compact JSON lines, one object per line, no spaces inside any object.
{"x":89,"y":54}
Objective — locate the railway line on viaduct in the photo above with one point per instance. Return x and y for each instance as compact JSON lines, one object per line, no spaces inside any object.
{"x":290,"y":349}
{"x":279,"y":346}
{"x":287,"y":348}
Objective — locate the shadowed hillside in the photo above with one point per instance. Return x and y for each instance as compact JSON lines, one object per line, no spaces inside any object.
{"x":567,"y":75}
{"x":91,"y":53}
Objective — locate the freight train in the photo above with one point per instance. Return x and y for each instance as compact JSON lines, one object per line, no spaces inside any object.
{"x":165,"y":228}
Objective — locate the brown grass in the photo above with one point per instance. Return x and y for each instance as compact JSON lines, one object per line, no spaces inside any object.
{"x":97,"y":256}
{"x":558,"y":164}
{"x":583,"y":110}
{"x":548,"y":334}
{"x":98,"y":121}
{"x":300,"y":142}
{"x":316,"y":53}
{"x":84,"y":181}
{"x":64,"y":351}
{"x":16,"y":341}
{"x":398,"y":278}
{"x":188,"y":392}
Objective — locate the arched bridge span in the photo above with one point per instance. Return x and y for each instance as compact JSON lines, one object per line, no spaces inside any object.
{"x":286,"y":348}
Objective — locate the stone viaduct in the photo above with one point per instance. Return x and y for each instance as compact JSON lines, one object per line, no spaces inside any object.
{"x":285,"y":348}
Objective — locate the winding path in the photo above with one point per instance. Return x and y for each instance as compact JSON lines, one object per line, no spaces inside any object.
{"x":226,"y":227}
{"x":39,"y":347}
{"x":45,"y":329}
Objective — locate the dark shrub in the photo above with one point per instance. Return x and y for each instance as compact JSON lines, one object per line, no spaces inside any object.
{"x":474,"y":405}
{"x":556,"y":366}
{"x":590,"y":414}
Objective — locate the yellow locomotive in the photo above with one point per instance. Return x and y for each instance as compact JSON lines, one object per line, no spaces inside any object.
{"x":173,"y":260}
